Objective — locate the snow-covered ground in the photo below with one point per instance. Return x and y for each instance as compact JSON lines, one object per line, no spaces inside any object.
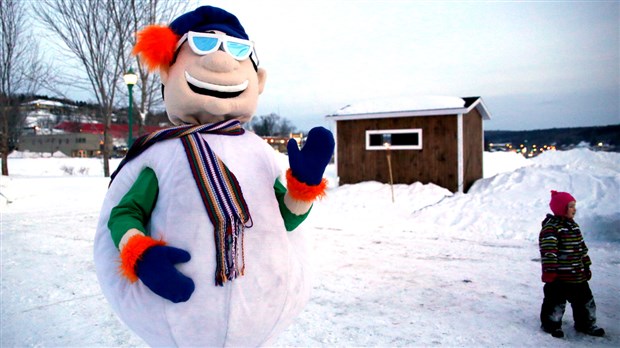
{"x":431,"y":269}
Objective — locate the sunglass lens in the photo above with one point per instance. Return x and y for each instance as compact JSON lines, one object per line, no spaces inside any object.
{"x":205,"y":44}
{"x":238,"y":50}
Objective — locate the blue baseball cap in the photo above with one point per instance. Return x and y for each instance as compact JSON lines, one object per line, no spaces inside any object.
{"x":207,"y":18}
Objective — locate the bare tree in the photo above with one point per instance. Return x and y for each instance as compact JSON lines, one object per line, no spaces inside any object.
{"x":143,"y":13}
{"x":272,"y":125}
{"x":92,"y":38}
{"x":21,"y":70}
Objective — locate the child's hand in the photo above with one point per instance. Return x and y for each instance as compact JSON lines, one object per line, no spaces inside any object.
{"x":156,"y":270}
{"x":308,"y":165}
{"x":588,"y":273}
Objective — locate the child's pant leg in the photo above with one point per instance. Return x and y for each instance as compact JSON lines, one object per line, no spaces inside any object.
{"x":584,"y":307}
{"x":553,"y":306}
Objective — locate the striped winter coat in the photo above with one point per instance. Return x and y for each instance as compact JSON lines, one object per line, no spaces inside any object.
{"x":563,"y":250}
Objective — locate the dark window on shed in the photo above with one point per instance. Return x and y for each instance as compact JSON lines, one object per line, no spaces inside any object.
{"x":394,"y":139}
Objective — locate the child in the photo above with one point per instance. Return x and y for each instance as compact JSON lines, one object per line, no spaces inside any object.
{"x":565,"y":270}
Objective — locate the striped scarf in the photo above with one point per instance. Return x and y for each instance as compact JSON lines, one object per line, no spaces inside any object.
{"x":218,"y":187}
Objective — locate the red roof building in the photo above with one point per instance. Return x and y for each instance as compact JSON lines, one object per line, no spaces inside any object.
{"x":118,"y":131}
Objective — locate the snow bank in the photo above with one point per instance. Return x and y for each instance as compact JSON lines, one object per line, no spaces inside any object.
{"x":33,"y":164}
{"x":429,"y":268}
{"x":581,"y":159}
{"x":511,"y":204}
{"x":28,"y":154}
{"x":508,"y":203}
{"x":501,"y":162}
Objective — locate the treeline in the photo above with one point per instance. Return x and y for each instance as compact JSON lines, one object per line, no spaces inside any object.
{"x":560,"y":137}
{"x":79,"y":103}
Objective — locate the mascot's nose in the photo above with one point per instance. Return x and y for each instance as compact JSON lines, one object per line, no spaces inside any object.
{"x":219,"y":61}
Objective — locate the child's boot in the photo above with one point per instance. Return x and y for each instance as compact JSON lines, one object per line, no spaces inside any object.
{"x":592,"y":331}
{"x":585,"y":319}
{"x":557,"y":332}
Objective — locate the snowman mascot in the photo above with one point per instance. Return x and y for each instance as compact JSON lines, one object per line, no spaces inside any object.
{"x":197,"y":242}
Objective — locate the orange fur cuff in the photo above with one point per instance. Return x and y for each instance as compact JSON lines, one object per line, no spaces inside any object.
{"x":132,"y":252}
{"x":304,"y":192}
{"x":156,"y":45}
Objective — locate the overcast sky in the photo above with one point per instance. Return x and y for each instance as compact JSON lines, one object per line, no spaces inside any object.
{"x":535,"y":64}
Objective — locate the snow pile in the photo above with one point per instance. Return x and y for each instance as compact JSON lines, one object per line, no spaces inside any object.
{"x":500,"y":162}
{"x":34,"y":164}
{"x":511,"y":204}
{"x":582,"y":160}
{"x":508,"y":203}
{"x":28,"y":154}
{"x":431,"y":268}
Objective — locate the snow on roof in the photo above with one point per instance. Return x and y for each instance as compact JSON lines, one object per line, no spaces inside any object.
{"x":45,"y":102}
{"x":415,"y":103}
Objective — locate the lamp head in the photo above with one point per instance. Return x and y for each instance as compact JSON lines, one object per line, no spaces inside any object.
{"x":130,"y":78}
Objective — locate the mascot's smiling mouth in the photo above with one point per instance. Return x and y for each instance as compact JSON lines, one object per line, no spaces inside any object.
{"x":213,"y":90}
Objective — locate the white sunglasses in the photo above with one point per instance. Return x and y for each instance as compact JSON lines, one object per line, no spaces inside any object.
{"x":205,"y":43}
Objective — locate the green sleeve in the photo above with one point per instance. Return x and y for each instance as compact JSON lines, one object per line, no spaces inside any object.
{"x":134,"y":210}
{"x":291,"y":221}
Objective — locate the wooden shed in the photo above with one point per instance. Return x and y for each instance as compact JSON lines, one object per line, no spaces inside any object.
{"x":432,"y":139}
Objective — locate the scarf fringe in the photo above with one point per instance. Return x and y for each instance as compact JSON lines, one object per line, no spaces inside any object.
{"x":230,"y":253}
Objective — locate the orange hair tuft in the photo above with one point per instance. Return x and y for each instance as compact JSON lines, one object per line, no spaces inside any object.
{"x":156,"y":45}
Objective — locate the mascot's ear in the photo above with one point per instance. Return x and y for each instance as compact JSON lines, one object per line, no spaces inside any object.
{"x":155,"y":44}
{"x":163,"y":76}
{"x":262,"y":78}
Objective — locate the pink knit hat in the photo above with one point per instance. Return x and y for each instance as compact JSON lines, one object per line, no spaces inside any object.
{"x":559,"y":202}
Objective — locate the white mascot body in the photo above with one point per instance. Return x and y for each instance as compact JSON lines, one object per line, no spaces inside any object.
{"x":252,"y":308}
{"x":274,"y":287}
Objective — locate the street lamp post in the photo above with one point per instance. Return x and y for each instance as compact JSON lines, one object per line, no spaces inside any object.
{"x":130,"y":80}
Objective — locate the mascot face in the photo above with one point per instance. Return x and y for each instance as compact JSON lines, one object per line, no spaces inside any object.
{"x":213,"y":79}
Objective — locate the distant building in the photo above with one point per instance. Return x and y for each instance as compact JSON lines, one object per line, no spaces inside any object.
{"x":494,"y":147}
{"x":436,"y":140}
{"x":279,"y":143}
{"x":117,"y":131}
{"x":43,"y":114}
{"x":50,"y":129}
{"x":78,"y":139}
{"x":71,"y":144}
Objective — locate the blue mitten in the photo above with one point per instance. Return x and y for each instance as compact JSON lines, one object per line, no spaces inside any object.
{"x":156,"y":270}
{"x":308,"y":164}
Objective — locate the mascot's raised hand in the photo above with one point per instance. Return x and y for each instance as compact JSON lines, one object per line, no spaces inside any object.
{"x":308,"y":164}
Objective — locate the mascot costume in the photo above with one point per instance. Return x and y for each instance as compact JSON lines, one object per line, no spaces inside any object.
{"x":197,"y":243}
